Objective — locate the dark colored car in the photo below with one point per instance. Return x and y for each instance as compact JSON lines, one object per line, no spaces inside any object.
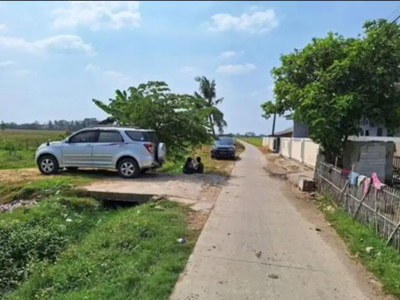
{"x":224,"y":147}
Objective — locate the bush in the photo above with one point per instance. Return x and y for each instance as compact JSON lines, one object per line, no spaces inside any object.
{"x":29,"y":236}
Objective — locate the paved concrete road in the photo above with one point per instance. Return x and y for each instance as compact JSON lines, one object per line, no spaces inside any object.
{"x":256,"y":245}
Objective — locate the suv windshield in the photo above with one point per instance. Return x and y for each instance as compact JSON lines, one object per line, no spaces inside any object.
{"x":225,"y":141}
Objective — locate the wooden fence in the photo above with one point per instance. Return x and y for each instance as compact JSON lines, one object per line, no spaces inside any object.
{"x":396,"y":170}
{"x":379,"y":209}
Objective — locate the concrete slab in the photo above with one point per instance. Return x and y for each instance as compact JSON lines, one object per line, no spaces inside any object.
{"x":188,"y":187}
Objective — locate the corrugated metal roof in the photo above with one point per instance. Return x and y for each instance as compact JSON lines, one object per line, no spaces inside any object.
{"x":287,"y":130}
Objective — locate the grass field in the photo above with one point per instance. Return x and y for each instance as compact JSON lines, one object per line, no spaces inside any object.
{"x":256,"y":141}
{"x":17,"y":147}
{"x":71,"y":247}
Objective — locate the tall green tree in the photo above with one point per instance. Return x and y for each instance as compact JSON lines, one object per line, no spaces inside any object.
{"x":177,"y":118}
{"x":333,"y":82}
{"x":208,"y":94}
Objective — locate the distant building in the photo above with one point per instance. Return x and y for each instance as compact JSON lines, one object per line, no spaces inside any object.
{"x":367,"y":128}
{"x":288,"y":132}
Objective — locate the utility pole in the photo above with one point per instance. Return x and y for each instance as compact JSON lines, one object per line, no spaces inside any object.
{"x":273,"y":124}
{"x":273,"y":121}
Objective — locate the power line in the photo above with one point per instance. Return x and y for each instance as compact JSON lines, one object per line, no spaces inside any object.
{"x":389,"y":23}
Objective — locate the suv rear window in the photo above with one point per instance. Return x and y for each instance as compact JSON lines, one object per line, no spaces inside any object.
{"x":142,"y":136}
{"x":109,"y":137}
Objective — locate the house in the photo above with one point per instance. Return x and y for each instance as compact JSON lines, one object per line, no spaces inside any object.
{"x":367,"y":128}
{"x":288,"y":132}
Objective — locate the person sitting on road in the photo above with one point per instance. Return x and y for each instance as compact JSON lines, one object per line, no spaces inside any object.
{"x":199,"y":166}
{"x":188,"y":167}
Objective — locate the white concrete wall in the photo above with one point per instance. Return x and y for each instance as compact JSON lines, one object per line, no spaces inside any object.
{"x":303,"y":150}
{"x":285,"y":149}
{"x":306,"y":151}
{"x":297,"y":149}
{"x":269,"y":142}
{"x":310,"y":153}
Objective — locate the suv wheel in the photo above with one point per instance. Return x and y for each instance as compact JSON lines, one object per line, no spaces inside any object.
{"x":48,"y":165}
{"x":128,"y":168}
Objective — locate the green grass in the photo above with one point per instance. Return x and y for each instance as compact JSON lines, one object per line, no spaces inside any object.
{"x":383,"y":261}
{"x":22,"y":139}
{"x":17,"y":146}
{"x":129,"y":254}
{"x":211,"y":166}
{"x":69,"y":247}
{"x":42,"y":188}
{"x":254,"y":141}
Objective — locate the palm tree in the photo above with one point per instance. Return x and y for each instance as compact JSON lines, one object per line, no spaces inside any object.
{"x":208,"y":93}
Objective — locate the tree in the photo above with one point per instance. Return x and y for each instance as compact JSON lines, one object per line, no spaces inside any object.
{"x":177,"y":118}
{"x":207,"y":93}
{"x":3,"y":125}
{"x":250,"y":133}
{"x":335,"y":81}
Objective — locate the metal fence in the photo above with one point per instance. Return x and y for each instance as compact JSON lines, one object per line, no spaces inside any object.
{"x":379,"y":209}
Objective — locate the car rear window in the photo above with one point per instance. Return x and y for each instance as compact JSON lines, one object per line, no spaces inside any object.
{"x":110,"y":137}
{"x":142,"y":136}
{"x":152,"y":137}
{"x":136,"y":136}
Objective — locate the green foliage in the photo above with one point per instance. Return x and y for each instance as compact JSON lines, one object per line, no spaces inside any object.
{"x":179,"y":119}
{"x":207,"y":96}
{"x":30,"y":236}
{"x":335,"y":81}
{"x":383,"y":261}
{"x":128,"y":254}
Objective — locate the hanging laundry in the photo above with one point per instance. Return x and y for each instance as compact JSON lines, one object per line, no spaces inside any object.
{"x":376,"y":182}
{"x":367,"y":184}
{"x":353,"y":178}
{"x":345,"y":174}
{"x":361,"y":179}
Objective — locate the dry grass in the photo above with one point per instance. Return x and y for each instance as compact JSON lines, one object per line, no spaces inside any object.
{"x":218,"y":166}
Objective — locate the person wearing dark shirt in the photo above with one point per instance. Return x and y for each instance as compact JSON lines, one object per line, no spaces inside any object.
{"x":200,"y":166}
{"x":188,"y":167}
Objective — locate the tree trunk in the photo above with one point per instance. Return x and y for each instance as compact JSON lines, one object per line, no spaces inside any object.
{"x":212,"y":125}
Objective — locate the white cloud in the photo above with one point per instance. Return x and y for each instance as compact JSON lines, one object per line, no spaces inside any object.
{"x":253,"y":8}
{"x":7,"y":63}
{"x":235,"y":69}
{"x":92,"y":68}
{"x":58,"y":42}
{"x":2,"y":26}
{"x":98,"y":14}
{"x":188,"y":69}
{"x":21,"y":73}
{"x":117,"y":76}
{"x":108,"y":74}
{"x":228,"y":54}
{"x":254,"y":94}
{"x":256,"y":22}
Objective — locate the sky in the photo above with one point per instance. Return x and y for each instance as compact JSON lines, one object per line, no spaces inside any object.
{"x":55,"y":57}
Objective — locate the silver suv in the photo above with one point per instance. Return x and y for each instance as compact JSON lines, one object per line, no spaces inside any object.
{"x":128,"y":150}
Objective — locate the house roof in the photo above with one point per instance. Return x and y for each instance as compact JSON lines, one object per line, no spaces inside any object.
{"x":282,"y":132}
